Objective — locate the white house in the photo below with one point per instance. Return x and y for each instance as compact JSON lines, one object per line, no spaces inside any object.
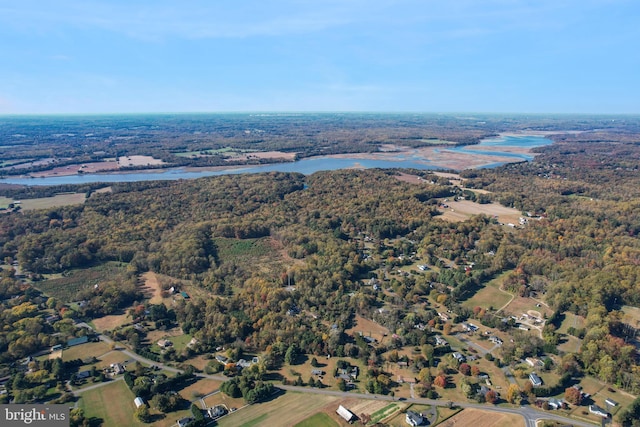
{"x":536,"y":381}
{"x":413,"y":418}
{"x":596,"y":410}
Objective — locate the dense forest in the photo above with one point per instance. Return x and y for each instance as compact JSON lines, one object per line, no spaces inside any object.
{"x":283,"y":259}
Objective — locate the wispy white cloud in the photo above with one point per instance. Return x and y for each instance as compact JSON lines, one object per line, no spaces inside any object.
{"x":195,"y":19}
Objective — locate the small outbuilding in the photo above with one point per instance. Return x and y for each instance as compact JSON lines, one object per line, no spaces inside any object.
{"x":138,"y":401}
{"x":346,"y":414}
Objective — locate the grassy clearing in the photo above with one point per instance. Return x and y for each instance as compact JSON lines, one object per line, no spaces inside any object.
{"x":109,"y":322}
{"x":199,"y":388}
{"x":318,"y":420}
{"x":479,"y":418}
{"x":4,"y":202}
{"x":241,"y":248}
{"x":112,"y":403}
{"x":223,"y":399}
{"x":521,"y":305}
{"x":571,"y":320}
{"x":288,"y":409}
{"x":464,"y":209}
{"x":84,"y":351}
{"x":490,"y":296}
{"x":65,"y":288}
{"x":55,"y":201}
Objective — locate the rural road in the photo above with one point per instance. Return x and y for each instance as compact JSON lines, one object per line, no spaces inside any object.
{"x":530,"y":415}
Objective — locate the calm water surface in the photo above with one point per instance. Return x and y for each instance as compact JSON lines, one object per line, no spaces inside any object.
{"x":305,"y":166}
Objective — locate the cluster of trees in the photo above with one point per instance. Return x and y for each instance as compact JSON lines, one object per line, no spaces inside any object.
{"x":147,"y":384}
{"x":249,"y":386}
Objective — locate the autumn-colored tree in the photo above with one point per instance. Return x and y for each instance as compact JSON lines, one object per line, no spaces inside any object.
{"x":441,"y":381}
{"x":514,"y":394}
{"x":464,"y":369}
{"x":573,"y":395}
{"x":491,"y":397}
{"x":475,"y":371}
{"x":446,"y":329}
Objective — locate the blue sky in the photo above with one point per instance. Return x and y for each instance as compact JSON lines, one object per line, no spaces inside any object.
{"x":538,"y":56}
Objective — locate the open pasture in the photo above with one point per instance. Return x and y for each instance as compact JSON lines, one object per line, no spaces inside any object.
{"x":368,"y":328}
{"x":84,"y":351}
{"x":318,"y":420}
{"x":464,"y":209}
{"x":113,"y":403}
{"x":285,"y":410}
{"x":490,"y":296}
{"x":479,"y":418}
{"x":55,"y":201}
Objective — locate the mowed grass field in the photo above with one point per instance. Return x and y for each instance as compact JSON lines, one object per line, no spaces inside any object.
{"x":286,"y":410}
{"x":318,"y":420}
{"x":464,"y":209}
{"x":490,"y":296}
{"x":4,"y":202}
{"x":49,"y":202}
{"x":112,"y":403}
{"x":479,"y":418}
{"x":84,"y":351}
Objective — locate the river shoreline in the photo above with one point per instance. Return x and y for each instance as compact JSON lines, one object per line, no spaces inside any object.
{"x":488,"y":153}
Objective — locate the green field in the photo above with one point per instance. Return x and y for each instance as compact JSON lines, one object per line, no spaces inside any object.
{"x":288,"y":409}
{"x":66,"y":288}
{"x":318,"y":420}
{"x":49,"y":202}
{"x":383,"y":413}
{"x":112,"y":403}
{"x":489,"y":296}
{"x":4,"y":202}
{"x":241,"y":248}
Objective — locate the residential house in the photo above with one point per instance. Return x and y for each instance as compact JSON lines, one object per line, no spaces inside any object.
{"x":117,"y":368}
{"x":596,"y":410}
{"x":165,"y":343}
{"x":469,"y":327}
{"x":554,"y":403}
{"x":536,"y":381}
{"x":317,"y":372}
{"x":459,"y":357}
{"x":243,"y":363}
{"x":183,"y":422}
{"x":443,"y":316}
{"x":83,"y":374}
{"x":440,"y":340}
{"x":217,"y":411}
{"x":413,"y":418}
